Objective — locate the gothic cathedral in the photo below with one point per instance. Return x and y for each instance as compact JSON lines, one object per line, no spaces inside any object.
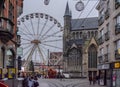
{"x":80,"y":45}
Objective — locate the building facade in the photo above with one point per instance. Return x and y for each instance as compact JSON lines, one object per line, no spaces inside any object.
{"x":80,"y":45}
{"x":56,"y":61}
{"x":109,"y":42}
{"x":8,"y":35}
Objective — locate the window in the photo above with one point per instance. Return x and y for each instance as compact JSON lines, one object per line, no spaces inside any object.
{"x":92,"y":57}
{"x":107,"y":47}
{"x":101,"y":33}
{"x":101,"y":51}
{"x":107,"y":27}
{"x":118,"y":19}
{"x":118,"y":44}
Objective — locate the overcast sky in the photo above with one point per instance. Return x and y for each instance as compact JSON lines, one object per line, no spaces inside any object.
{"x":56,"y":8}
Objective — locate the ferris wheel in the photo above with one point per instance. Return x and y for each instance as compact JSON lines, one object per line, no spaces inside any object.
{"x":39,"y":33}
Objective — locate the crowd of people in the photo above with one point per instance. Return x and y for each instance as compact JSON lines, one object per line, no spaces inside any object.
{"x":30,"y":81}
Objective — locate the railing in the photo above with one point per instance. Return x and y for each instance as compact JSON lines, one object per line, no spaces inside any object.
{"x":117,"y":28}
{"x":6,"y":25}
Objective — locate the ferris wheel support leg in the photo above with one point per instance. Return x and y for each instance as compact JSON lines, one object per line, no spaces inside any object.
{"x":41,"y":54}
{"x":29,"y":56}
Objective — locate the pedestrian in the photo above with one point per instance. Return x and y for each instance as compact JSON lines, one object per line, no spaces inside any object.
{"x":90,"y":79}
{"x":31,"y":82}
{"x":25,"y":82}
{"x":94,"y":80}
{"x":97,"y":79}
{"x":36,"y":84}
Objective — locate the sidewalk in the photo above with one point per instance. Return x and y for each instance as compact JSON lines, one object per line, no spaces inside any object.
{"x":13,"y":83}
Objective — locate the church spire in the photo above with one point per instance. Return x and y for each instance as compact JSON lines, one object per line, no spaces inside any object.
{"x":67,"y":11}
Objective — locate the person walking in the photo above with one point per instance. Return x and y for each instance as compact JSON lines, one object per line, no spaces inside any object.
{"x":36,"y":84}
{"x":90,"y":79}
{"x":94,"y":80}
{"x":25,"y":81}
{"x":31,"y":82}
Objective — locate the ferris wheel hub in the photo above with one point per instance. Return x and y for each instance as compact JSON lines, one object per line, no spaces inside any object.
{"x":36,"y":41}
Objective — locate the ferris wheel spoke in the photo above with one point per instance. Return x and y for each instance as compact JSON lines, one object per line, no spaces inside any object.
{"x":43,"y":28}
{"x":52,"y":40}
{"x":52,"y":46}
{"x":35,"y":54}
{"x":32,"y":26}
{"x":43,"y":51}
{"x":25,"y":43}
{"x":48,"y":31}
{"x":27,"y":46}
{"x":30,"y":55}
{"x":27,"y":29}
{"x":26,"y":39}
{"x":25,"y":34}
{"x":51,"y":35}
{"x":38,"y":27}
{"x":41,"y":54}
{"x":27,"y":51}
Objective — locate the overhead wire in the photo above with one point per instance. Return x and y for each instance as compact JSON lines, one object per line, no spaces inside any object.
{"x":81,"y":13}
{"x":87,"y":14}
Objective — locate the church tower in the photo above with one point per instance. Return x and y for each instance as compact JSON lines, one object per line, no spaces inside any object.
{"x":67,"y":26}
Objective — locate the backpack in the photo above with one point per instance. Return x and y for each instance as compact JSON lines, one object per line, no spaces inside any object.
{"x":36,"y":84}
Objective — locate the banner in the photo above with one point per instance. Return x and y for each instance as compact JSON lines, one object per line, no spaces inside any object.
{"x":11,"y":73}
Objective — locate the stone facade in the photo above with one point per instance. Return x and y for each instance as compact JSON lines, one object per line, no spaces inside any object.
{"x":109,"y":40}
{"x":77,"y":37}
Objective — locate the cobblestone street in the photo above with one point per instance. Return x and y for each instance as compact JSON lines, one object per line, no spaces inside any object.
{"x":66,"y":83}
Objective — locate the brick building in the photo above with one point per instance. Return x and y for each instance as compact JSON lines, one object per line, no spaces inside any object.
{"x":9,"y":11}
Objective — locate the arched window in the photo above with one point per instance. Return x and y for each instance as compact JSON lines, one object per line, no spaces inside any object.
{"x":88,"y":34}
{"x":75,"y":59}
{"x":77,"y":35}
{"x":73,"y":35}
{"x":92,"y":34}
{"x":96,"y":34}
{"x":92,"y":57}
{"x":80,"y":34}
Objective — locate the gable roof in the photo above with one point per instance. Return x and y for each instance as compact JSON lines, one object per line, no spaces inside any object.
{"x":84,"y":23}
